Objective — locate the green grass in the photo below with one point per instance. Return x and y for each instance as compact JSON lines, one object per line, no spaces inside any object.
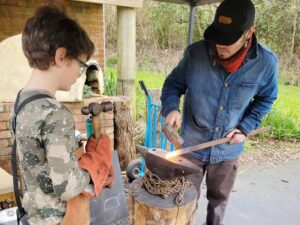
{"x":289,"y":101}
{"x":284,"y":118}
{"x":285,"y":115}
{"x":152,"y":80}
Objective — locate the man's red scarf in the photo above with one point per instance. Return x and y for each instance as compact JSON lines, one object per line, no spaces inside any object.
{"x":233,"y":63}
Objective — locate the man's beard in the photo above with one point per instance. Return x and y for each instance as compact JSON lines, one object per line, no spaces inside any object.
{"x":221,"y":56}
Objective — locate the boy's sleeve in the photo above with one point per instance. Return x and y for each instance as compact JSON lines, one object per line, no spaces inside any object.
{"x":58,"y":135}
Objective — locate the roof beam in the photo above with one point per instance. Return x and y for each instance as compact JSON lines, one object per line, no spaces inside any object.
{"x":124,"y":3}
{"x":191,"y":2}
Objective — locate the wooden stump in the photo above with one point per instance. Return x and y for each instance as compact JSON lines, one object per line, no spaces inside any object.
{"x":147,"y":209}
{"x":124,"y":142}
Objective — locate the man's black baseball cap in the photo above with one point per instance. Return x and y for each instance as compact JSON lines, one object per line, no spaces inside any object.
{"x":232,"y":19}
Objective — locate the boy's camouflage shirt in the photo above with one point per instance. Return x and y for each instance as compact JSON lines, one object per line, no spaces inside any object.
{"x":46,"y":145}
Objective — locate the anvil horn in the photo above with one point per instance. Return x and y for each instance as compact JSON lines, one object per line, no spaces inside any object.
{"x":142,"y":150}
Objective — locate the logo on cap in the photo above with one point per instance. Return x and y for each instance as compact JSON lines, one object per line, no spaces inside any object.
{"x":225,"y":20}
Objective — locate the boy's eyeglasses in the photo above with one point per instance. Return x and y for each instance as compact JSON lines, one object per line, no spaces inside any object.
{"x":83,"y":66}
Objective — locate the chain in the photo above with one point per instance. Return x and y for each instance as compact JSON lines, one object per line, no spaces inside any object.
{"x":157,"y":186}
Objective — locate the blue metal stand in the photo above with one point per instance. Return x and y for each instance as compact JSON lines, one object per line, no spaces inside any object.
{"x":150,"y":140}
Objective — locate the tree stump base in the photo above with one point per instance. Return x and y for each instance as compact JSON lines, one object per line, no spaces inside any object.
{"x":148,"y":209}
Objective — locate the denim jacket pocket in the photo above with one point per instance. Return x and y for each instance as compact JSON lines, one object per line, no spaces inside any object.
{"x":244,"y":94}
{"x":196,"y":134}
{"x":198,"y":127}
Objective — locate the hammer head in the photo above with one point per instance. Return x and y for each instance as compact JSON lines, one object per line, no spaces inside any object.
{"x":95,"y":108}
{"x":157,"y":163}
{"x":107,"y":106}
{"x":172,"y":135}
{"x":85,"y":110}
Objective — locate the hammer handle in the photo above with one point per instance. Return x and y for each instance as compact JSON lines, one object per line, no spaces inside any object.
{"x":172,"y":135}
{"x":143,"y":86}
{"x":97,"y":126}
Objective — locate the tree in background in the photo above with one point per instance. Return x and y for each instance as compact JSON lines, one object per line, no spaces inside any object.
{"x":162,"y":33}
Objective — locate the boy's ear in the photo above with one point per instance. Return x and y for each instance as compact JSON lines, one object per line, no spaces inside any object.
{"x":60,"y":55}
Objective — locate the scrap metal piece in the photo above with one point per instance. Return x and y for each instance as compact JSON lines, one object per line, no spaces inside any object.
{"x":156,"y":162}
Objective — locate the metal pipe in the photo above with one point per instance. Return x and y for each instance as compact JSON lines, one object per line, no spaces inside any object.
{"x":191,"y":23}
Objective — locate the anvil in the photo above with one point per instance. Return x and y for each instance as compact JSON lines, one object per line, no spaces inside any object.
{"x":169,"y":165}
{"x":157,"y":163}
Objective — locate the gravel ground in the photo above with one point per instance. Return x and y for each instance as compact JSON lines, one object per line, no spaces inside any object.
{"x":270,"y":152}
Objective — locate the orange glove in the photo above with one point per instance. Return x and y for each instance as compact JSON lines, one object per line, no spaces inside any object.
{"x":110,"y":179}
{"x":97,"y":161}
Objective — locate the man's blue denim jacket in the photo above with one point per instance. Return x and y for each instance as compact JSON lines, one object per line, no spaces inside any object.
{"x":216,"y":102}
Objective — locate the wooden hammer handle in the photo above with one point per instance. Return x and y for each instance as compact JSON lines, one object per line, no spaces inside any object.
{"x":96,"y":126}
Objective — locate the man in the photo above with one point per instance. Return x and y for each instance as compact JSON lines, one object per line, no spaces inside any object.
{"x":230,"y":83}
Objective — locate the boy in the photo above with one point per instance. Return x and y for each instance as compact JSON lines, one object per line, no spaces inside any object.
{"x":56,"y":48}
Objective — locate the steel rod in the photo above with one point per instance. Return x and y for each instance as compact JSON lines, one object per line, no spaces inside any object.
{"x":211,"y":144}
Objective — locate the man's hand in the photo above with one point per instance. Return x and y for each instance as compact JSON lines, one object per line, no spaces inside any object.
{"x":173,"y":118}
{"x":236,"y":136}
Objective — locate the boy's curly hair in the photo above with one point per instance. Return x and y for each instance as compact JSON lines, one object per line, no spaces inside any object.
{"x":50,"y":28}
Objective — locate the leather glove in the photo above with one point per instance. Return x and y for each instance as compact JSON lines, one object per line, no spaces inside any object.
{"x":110,"y":179}
{"x":92,"y":143}
{"x":97,"y":161}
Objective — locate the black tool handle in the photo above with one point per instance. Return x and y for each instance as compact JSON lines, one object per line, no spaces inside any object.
{"x":144,"y":88}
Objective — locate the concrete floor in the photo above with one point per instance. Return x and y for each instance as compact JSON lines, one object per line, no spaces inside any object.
{"x":262,"y":196}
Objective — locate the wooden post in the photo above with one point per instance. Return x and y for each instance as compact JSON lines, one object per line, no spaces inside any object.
{"x":147,"y":209}
{"x":124,"y":142}
{"x":126,"y":53}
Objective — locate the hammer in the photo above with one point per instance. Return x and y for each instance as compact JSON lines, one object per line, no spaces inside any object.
{"x":172,"y":135}
{"x":95,"y":109}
